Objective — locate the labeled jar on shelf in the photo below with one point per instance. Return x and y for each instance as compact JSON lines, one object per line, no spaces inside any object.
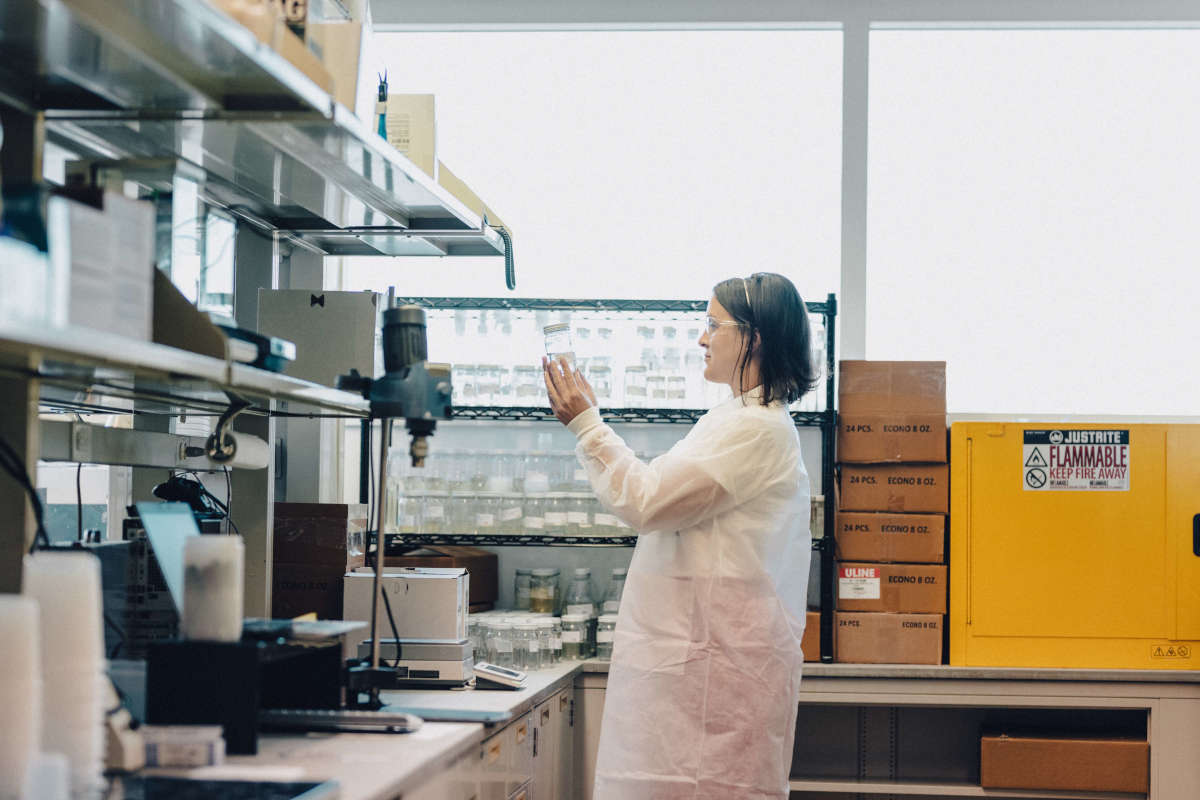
{"x":635,"y":386}
{"x":499,"y":643}
{"x":549,"y":642}
{"x":600,"y":377}
{"x":522,"y":584}
{"x":486,"y":507}
{"x":556,"y":514}
{"x":543,"y":590}
{"x":408,"y":512}
{"x":433,"y":513}
{"x":534,"y":522}
{"x":529,"y":386}
{"x":579,"y":601}
{"x":574,"y":637}
{"x":579,"y":517}
{"x":604,"y":523}
{"x":526,"y":652}
{"x":562,"y":471}
{"x":616,"y":588}
{"x":605,"y":627}
{"x":511,"y":513}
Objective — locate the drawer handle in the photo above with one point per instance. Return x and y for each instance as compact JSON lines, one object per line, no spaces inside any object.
{"x":562,"y":703}
{"x":1196,"y":535}
{"x":522,"y":732}
{"x":493,"y":753}
{"x":545,"y":716}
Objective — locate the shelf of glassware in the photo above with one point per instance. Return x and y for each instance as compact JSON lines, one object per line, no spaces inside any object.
{"x":611,"y":415}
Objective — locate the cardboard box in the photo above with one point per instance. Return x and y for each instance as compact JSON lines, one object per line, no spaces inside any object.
{"x":899,"y":436}
{"x":482,"y":566}
{"x":427,"y":603}
{"x":873,"y":638}
{"x":306,"y":588}
{"x":334,"y":332}
{"x":457,"y":187}
{"x":339,"y":46}
{"x":906,"y":588}
{"x":412,"y":129}
{"x":332,"y":534}
{"x":874,"y":536}
{"x":889,"y":387}
{"x":266,"y":21}
{"x":915,"y":488}
{"x":1078,"y":763}
{"x":811,"y":643}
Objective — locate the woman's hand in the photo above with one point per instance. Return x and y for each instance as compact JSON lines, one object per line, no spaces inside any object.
{"x":570,"y":394}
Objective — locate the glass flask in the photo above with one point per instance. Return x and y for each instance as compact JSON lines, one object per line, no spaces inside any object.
{"x":559,"y":342}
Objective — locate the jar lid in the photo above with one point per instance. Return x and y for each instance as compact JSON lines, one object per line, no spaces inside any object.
{"x":546,"y":572}
{"x":619,"y":571}
{"x":608,"y":619}
{"x":500,"y":624}
{"x":583,"y":572}
{"x":524,"y":572}
{"x":556,"y":327}
{"x":575,"y":618}
{"x":544,"y":623}
{"x":526,"y":626}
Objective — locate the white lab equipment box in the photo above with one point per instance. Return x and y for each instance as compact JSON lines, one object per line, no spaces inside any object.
{"x":426,"y":602}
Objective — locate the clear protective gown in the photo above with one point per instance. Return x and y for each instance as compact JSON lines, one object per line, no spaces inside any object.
{"x":705,"y":676}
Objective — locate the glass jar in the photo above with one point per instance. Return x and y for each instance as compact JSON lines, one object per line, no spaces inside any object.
{"x":433,"y":513}
{"x":656,"y":389}
{"x":534,"y":522}
{"x":601,"y":380}
{"x":463,"y":379}
{"x":562,"y":471}
{"x":556,"y":514}
{"x":579,"y":516}
{"x":528,"y":385}
{"x":499,"y":643}
{"x":460,"y":513}
{"x":677,"y":391}
{"x":409,"y":514}
{"x":616,"y":587}
{"x":546,"y":642}
{"x":543,"y":591}
{"x":511,"y":513}
{"x":486,"y":506}
{"x":635,"y":386}
{"x":526,"y":653}
{"x":522,"y":585}
{"x":604,"y":636}
{"x":559,"y":342}
{"x":603,"y":523}
{"x":488,"y":384}
{"x":579,"y":601}
{"x":475,"y":634}
{"x":574,"y":637}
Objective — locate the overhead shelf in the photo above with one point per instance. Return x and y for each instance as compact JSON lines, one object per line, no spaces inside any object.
{"x":88,"y":370}
{"x":179,"y":87}
{"x":161,"y":54}
{"x":328,"y":183}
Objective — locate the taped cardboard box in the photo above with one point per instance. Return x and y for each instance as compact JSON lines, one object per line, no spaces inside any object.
{"x":331,"y":534}
{"x":874,"y":536}
{"x":879,"y":638}
{"x":480,"y":564}
{"x":426,"y":602}
{"x":810,"y":644}
{"x":1075,"y":763}
{"x":913,"y":488}
{"x":889,"y":387}
{"x":458,"y":187}
{"x":412,"y":129}
{"x":904,"y":588}
{"x":893,"y":437}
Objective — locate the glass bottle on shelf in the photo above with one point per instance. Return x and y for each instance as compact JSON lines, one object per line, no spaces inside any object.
{"x":486,"y":506}
{"x":599,"y":375}
{"x":574,"y":637}
{"x":546,"y":638}
{"x":616,"y":587}
{"x":579,"y":516}
{"x":556,"y":514}
{"x":528,"y":385}
{"x":543,"y":590}
{"x":511,"y":513}
{"x":606,"y":625}
{"x":579,"y":600}
{"x":635,"y":386}
{"x":522,"y":587}
{"x":433,"y":513}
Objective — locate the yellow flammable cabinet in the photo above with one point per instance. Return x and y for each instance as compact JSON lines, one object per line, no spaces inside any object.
{"x":1075,"y":545}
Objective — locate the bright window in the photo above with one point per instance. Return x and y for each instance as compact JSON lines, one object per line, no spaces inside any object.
{"x":631,"y":164}
{"x":1032,"y":216}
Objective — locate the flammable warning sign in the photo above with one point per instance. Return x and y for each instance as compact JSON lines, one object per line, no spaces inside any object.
{"x":1075,"y":461}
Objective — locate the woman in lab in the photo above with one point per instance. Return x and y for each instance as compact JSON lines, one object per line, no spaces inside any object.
{"x":705,"y":674}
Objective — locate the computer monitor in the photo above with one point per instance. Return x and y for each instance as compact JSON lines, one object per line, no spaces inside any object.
{"x":168,"y":526}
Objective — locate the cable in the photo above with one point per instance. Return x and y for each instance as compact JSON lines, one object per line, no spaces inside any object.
{"x":79,"y":502}
{"x":229,"y":502}
{"x":12,"y":464}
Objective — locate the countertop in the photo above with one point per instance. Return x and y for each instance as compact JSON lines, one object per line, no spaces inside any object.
{"x":539,"y":685}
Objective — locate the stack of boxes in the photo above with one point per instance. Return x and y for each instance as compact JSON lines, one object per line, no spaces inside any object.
{"x":315,"y":545}
{"x":891,"y":519}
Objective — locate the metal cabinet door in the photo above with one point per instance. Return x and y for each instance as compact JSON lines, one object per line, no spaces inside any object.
{"x":1183,"y":527}
{"x":564,"y":713}
{"x":545,"y":749}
